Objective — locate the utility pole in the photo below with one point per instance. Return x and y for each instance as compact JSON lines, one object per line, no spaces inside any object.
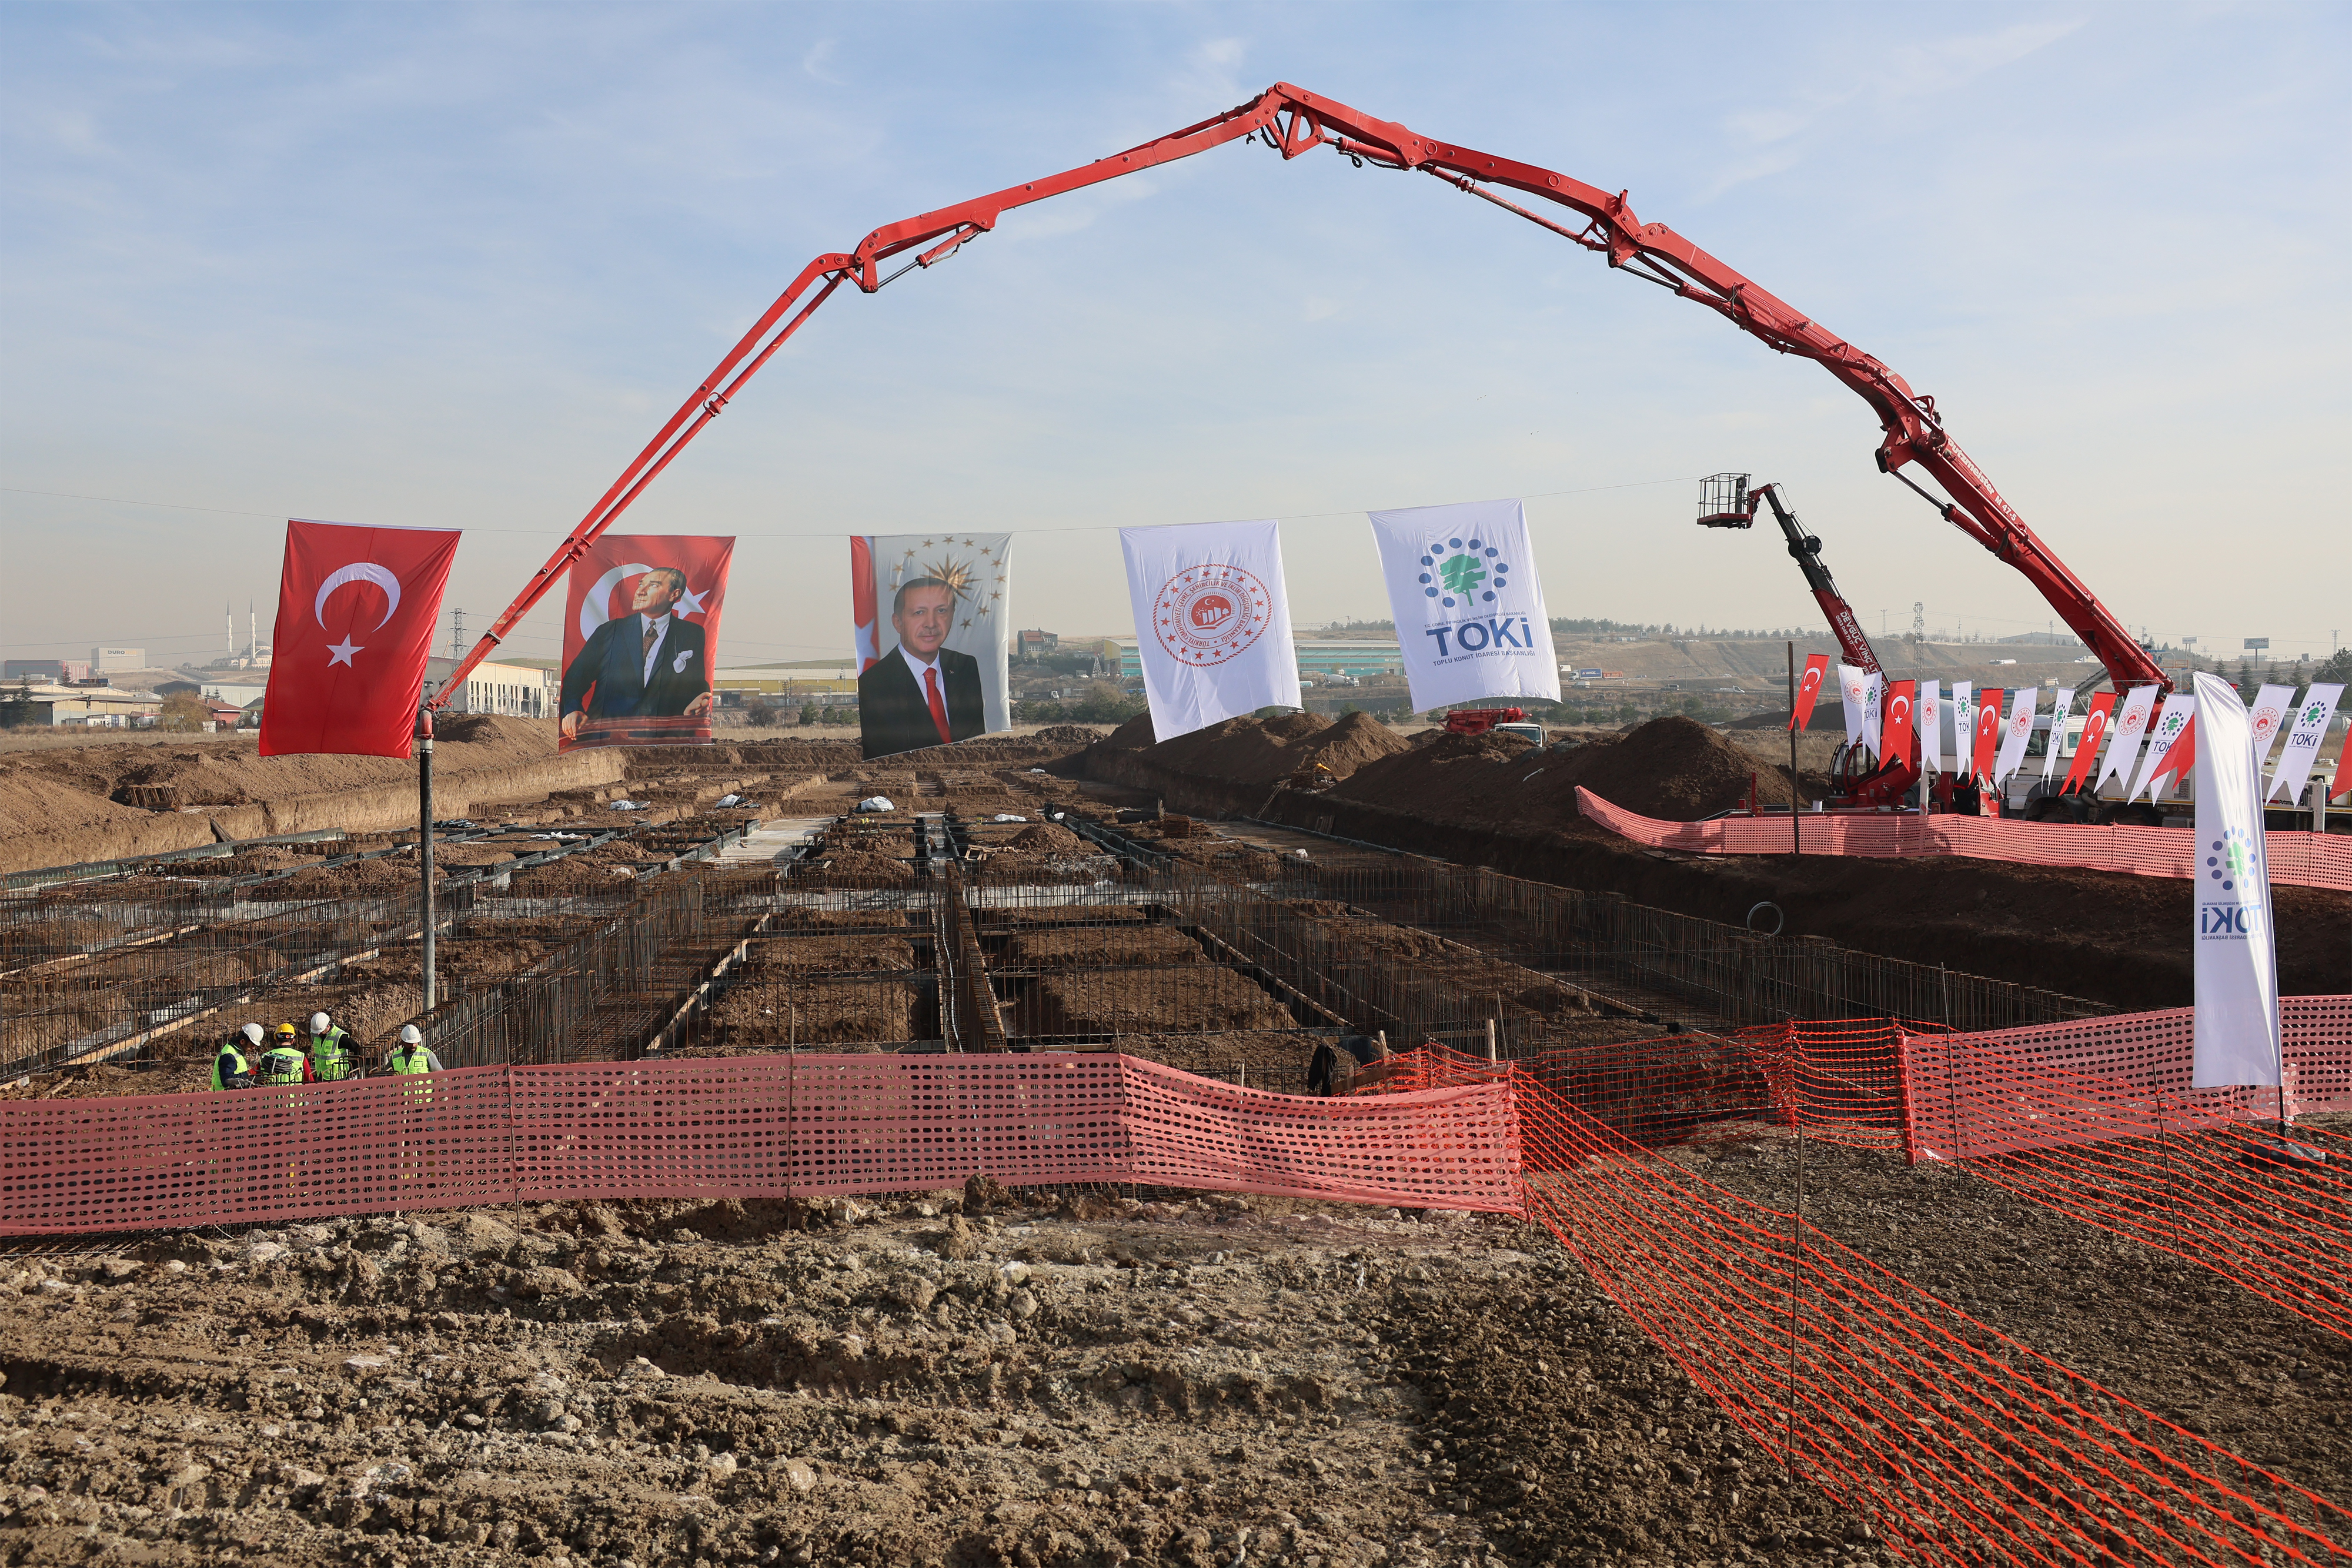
{"x":456,"y":633}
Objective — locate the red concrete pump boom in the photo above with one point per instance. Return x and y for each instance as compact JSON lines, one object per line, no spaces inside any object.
{"x":1293,"y":120}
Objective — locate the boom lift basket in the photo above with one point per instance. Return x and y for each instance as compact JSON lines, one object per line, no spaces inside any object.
{"x":1723,"y":502}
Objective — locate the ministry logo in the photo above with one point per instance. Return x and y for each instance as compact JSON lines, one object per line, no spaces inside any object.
{"x":1207,"y":614}
{"x":1465,"y":573}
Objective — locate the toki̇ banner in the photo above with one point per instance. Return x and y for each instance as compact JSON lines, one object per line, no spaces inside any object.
{"x":2058,"y":711}
{"x":931,"y":620}
{"x":2303,"y":741}
{"x":2171,"y":727}
{"x":1211,"y":622}
{"x":356,"y":609}
{"x":640,"y":639}
{"x":1468,"y":605}
{"x":2233,"y":942}
{"x":2124,"y":732}
{"x":1964,"y":730}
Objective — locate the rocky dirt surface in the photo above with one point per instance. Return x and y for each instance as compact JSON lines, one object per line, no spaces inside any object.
{"x":2171,"y":1336}
{"x":1205,"y":1380}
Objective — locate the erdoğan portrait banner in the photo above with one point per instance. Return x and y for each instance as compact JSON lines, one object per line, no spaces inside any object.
{"x":640,"y":640}
{"x":356,"y":609}
{"x":931,"y":621}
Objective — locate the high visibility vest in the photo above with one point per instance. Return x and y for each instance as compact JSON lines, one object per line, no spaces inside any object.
{"x":281,"y":1065}
{"x":331,"y":1054}
{"x":234,"y":1060}
{"x":410,"y":1059}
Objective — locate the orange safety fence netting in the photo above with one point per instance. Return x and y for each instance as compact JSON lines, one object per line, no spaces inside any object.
{"x":1962,"y":1445}
{"x":735,"y":1126}
{"x":2296,"y":857}
{"x":2096,"y":1120}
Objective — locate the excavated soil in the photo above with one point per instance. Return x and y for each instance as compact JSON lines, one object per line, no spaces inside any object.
{"x":570,"y":876}
{"x":765,"y":1010}
{"x":859,"y":868}
{"x":1673,"y":768}
{"x":1263,"y":751}
{"x":1094,"y":947}
{"x":2161,"y":1332}
{"x":1200,"y":1383}
{"x":1048,"y":839}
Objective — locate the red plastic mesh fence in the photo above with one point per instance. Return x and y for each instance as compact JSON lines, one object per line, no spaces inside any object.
{"x":2303,"y":859}
{"x":733,"y":1126}
{"x":1961,"y":1446}
{"x":2097,"y":1121}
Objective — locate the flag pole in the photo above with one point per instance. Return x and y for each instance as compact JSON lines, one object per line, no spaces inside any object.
{"x":1796,"y":794}
{"x":425,"y":841}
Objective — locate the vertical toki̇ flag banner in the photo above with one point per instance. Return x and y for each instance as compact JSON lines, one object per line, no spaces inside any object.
{"x":1900,"y":698}
{"x":1929,"y":720}
{"x":931,"y":621}
{"x":2171,"y":724}
{"x":1964,"y":730}
{"x":2059,"y":710}
{"x":2302,"y":749}
{"x":1988,"y":736}
{"x":2095,"y":729}
{"x":356,"y":609}
{"x":2016,"y":734}
{"x":2124,"y":738}
{"x":1808,"y":689}
{"x":2233,"y":946}
{"x":1468,"y":605}
{"x":1211,"y":622}
{"x":640,"y":640}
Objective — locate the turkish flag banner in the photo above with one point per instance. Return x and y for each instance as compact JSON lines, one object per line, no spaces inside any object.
{"x":2095,"y":729}
{"x":1900,"y":698}
{"x":356,"y":609}
{"x":640,"y":640}
{"x":1808,"y":689}
{"x":1988,"y":732}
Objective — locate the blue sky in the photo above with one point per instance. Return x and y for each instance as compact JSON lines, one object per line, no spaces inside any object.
{"x":451,"y":266}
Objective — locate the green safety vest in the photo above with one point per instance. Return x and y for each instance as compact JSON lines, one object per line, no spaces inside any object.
{"x":281,"y":1065}
{"x":331,"y":1054}
{"x":229,"y":1053}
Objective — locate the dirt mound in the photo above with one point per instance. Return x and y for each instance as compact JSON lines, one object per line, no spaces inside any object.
{"x":1674,"y":769}
{"x":1047,"y":838}
{"x":1067,"y":734}
{"x":383,"y":878}
{"x":1135,"y":735}
{"x":857,"y":868}
{"x":565,"y":878}
{"x":1296,"y":746}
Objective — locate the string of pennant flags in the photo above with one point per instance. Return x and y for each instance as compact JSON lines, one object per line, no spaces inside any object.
{"x":2149,"y":749}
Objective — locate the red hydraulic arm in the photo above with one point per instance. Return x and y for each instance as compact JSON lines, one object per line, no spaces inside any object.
{"x":1293,"y":120}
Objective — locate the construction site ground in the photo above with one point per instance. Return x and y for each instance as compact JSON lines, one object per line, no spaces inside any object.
{"x":1081,"y":1377}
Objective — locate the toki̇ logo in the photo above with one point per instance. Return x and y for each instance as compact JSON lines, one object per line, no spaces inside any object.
{"x":1465,"y":574}
{"x":2229,"y":922}
{"x":2230,"y":861}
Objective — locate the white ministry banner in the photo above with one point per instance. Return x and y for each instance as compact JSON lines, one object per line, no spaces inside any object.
{"x":1854,"y":686}
{"x":2302,"y":749}
{"x":2235,"y":952}
{"x":1927,"y":719}
{"x":2269,"y":715}
{"x":2123,"y":738}
{"x":2063,"y":705}
{"x":1964,"y":731}
{"x":2170,"y":724}
{"x":1468,"y":605}
{"x":2014,"y":739}
{"x":1211,"y":623}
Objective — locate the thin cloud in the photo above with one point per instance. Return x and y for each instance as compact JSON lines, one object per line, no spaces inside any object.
{"x":817,"y":60}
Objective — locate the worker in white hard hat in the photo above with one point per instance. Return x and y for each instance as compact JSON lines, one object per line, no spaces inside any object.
{"x":230,"y":1068}
{"x":410,"y":1055}
{"x":332,"y":1056}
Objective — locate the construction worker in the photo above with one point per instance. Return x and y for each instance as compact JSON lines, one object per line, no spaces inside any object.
{"x":230,"y":1069}
{"x":330,"y":1050}
{"x":283,"y":1062}
{"x":410,"y":1055}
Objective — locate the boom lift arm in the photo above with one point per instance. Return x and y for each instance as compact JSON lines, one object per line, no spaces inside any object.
{"x":1722,"y":488}
{"x":1292,"y":122}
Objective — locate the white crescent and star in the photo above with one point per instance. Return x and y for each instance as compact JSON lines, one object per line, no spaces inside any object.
{"x":591,"y":607}
{"x":358,"y":571}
